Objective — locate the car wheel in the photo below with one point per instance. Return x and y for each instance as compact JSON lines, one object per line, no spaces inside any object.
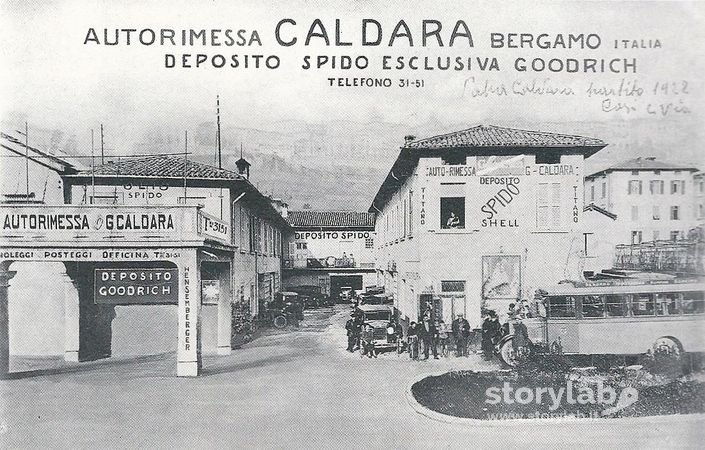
{"x":280,"y":322}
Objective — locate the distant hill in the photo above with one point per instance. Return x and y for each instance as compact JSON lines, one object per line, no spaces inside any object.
{"x":341,"y":164}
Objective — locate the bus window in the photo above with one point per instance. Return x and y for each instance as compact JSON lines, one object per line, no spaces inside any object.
{"x":693,"y":303}
{"x":666,"y":304}
{"x":561,"y":306}
{"x":643,"y":305}
{"x":593,"y":306}
{"x":615,"y":305}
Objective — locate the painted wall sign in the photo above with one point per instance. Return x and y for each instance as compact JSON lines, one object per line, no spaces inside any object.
{"x":213,"y":227}
{"x":451,"y":171}
{"x":96,"y":222}
{"x":343,"y":235}
{"x":136,"y":286}
{"x":60,"y":254}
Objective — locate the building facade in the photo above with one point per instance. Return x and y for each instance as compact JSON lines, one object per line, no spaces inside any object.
{"x":153,"y":248}
{"x":480,"y":218}
{"x":331,"y":250}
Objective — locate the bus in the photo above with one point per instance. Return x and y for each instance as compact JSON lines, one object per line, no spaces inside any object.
{"x":616,"y":317}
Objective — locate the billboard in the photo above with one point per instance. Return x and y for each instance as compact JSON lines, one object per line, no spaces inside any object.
{"x":122,"y":286}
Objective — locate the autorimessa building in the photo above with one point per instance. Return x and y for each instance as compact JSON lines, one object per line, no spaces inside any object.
{"x":480,"y":218}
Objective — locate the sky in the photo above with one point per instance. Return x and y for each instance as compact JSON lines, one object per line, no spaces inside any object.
{"x":52,"y":79}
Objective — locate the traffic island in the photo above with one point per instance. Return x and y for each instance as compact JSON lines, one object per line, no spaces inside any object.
{"x":573,"y":393}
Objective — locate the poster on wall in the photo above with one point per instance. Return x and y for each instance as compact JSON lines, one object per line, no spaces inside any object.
{"x":501,"y":277}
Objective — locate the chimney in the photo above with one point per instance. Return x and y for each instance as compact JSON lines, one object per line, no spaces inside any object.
{"x":243,"y":167}
{"x":650,"y":158}
{"x":409,"y":138}
{"x":281,"y":207}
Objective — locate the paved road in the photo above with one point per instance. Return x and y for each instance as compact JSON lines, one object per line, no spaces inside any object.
{"x":285,"y":390}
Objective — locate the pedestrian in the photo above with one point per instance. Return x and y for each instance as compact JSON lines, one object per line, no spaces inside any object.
{"x":490,"y":332}
{"x":351,"y":329}
{"x":443,"y":337}
{"x":368,"y":341}
{"x":461,"y":332}
{"x":391,"y":333}
{"x":429,"y":335}
{"x":520,"y":338}
{"x":413,"y":340}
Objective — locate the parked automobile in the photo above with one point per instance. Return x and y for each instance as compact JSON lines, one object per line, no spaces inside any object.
{"x":287,"y":308}
{"x":378,"y":316}
{"x":311,"y":296}
{"x":347,"y":294}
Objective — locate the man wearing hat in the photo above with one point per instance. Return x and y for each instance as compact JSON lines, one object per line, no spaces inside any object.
{"x":351,"y":328}
{"x":461,"y":332}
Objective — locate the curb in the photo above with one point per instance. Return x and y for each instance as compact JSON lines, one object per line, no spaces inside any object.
{"x":439,"y":417}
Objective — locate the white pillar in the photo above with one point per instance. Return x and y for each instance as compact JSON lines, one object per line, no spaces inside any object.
{"x":225,"y":312}
{"x":188,"y":355}
{"x":5,"y":276}
{"x":71,"y":318}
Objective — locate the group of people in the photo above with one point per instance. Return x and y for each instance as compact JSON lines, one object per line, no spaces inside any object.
{"x":430,"y":337}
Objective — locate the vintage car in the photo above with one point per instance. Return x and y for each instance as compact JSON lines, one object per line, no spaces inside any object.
{"x":378,"y":316}
{"x":347,"y":294}
{"x":287,"y":308}
{"x":311,"y":296}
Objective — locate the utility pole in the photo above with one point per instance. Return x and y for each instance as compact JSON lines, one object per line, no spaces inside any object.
{"x":217,"y":140}
{"x":185,"y":161}
{"x":92,"y":167}
{"x":26,"y":159}
{"x":102,"y":146}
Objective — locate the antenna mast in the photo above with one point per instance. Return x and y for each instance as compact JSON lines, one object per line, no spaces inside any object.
{"x":217,"y":140}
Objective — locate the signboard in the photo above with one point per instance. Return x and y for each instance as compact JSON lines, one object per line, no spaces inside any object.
{"x":56,"y":223}
{"x":212,"y":227}
{"x":122,"y":286}
{"x":501,"y":277}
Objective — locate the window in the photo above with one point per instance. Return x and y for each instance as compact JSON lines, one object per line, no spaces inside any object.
{"x":675,"y":235}
{"x":301,"y":246}
{"x":678,"y":187}
{"x":604,"y":189}
{"x":701,"y":211}
{"x":548,"y":205}
{"x":593,"y":306}
{"x":636,"y":237}
{"x":369,"y":243}
{"x":634,"y":187}
{"x":675,"y":213}
{"x":635,"y":172}
{"x":406,"y":223}
{"x":643,"y":305}
{"x":561,"y":306}
{"x":452,"y":212}
{"x":635,"y":213}
{"x":452,"y":286}
{"x":616,"y":305}
{"x":411,"y":213}
{"x":592,"y":192}
{"x":701,"y":186}
{"x":453,"y":159}
{"x":656,"y":213}
{"x":656,"y":187}
{"x":666,"y":304}
{"x":547,"y":156}
{"x":693,"y":303}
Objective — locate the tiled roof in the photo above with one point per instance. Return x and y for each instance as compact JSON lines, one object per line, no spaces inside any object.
{"x":494,"y":136}
{"x":648,"y":164}
{"x":331,"y":219}
{"x":164,"y":166}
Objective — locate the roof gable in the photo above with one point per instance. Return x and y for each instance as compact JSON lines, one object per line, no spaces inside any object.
{"x":494,"y":136}
{"x":162,"y":166}
{"x":330,"y":219}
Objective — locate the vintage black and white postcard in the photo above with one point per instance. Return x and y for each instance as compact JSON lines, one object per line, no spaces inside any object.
{"x":378,"y":224}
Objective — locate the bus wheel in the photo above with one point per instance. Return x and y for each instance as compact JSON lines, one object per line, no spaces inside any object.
{"x":506,"y":353}
{"x":280,"y":322}
{"x":668,"y":346}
